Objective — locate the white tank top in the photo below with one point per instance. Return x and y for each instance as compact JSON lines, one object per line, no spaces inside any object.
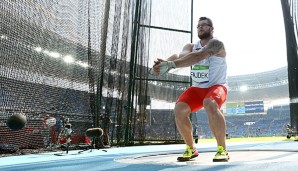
{"x":210,"y":71}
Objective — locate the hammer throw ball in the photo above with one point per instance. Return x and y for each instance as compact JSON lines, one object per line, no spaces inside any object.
{"x":16,"y":122}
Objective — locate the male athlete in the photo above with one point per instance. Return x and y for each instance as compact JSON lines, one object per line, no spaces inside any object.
{"x":209,"y":90}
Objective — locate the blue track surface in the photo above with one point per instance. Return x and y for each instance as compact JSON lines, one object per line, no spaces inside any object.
{"x":115,"y":159}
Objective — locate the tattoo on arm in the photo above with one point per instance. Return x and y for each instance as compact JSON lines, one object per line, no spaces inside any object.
{"x":213,"y":47}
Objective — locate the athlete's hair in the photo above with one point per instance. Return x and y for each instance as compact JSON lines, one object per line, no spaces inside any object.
{"x":208,"y":19}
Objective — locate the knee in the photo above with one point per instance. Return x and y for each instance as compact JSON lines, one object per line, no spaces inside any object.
{"x":181,"y":110}
{"x":210,"y":105}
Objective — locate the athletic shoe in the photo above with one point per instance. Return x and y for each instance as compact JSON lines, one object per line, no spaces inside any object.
{"x":221,"y":155}
{"x":188,"y":154}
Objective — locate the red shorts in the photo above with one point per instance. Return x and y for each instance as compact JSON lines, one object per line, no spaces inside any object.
{"x":194,"y":96}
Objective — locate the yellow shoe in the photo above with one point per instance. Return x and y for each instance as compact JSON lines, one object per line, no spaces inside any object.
{"x":188,"y":154}
{"x":221,"y":155}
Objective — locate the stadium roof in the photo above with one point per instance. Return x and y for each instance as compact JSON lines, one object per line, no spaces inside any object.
{"x":270,"y":85}
{"x":264,"y":86}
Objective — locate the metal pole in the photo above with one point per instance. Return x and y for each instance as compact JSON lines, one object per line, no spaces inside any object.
{"x":191,"y":34}
{"x":292,"y":57}
{"x":131,"y":73}
{"x":102,"y":56}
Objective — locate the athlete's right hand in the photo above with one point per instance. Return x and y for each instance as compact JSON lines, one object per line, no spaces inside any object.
{"x":163,"y":67}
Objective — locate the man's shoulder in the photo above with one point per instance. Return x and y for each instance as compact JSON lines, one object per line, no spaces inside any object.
{"x":188,"y":46}
{"x":215,"y":40}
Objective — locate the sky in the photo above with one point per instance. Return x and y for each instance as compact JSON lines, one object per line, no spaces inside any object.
{"x":252,"y":31}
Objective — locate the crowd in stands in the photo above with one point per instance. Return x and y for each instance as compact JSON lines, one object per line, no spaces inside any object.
{"x":39,"y":103}
{"x":42,"y":131}
{"x":161,"y":124}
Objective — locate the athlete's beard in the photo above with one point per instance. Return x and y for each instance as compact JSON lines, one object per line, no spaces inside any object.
{"x":204,"y":35}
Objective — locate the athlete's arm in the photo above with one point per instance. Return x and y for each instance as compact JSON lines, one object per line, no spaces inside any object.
{"x":213,"y":47}
{"x":185,"y":51}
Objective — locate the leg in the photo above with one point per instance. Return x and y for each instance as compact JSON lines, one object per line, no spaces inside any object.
{"x":216,"y":120}
{"x":190,"y":100}
{"x":67,"y":147}
{"x":212,"y":103}
{"x":182,"y":112}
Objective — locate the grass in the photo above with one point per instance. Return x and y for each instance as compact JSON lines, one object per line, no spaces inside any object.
{"x":250,"y":139}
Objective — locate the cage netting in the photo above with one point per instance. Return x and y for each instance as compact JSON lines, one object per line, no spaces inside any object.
{"x":86,"y":63}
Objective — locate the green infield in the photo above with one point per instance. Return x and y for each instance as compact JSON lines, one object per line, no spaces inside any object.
{"x":250,"y":139}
